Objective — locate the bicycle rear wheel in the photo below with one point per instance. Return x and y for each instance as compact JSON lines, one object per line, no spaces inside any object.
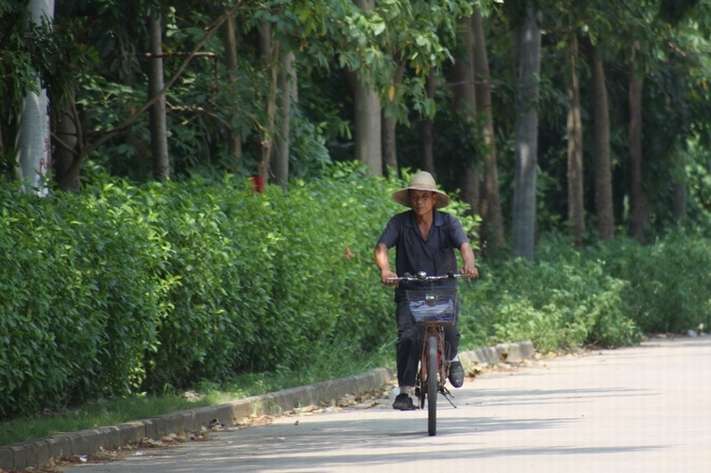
{"x":432,"y":386}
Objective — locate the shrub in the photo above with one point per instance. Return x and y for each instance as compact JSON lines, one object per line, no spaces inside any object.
{"x":129,"y":288}
{"x":668,"y":280}
{"x":126,"y":288}
{"x":77,"y":301}
{"x":562,"y":300}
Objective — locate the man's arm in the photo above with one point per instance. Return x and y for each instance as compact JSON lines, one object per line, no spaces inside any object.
{"x":469,"y":260}
{"x":383,"y":263}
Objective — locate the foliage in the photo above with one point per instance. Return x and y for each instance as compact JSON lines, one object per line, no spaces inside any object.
{"x":562,"y":300}
{"x":132,"y":287}
{"x":96,"y":50}
{"x":604,"y":295}
{"x":72,"y":327}
{"x":667,"y":280}
{"x":128,"y":288}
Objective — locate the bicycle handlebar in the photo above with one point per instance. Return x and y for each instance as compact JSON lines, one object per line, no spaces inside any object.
{"x":423,"y":277}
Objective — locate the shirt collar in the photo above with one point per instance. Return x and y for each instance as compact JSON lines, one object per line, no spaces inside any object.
{"x":411,"y":222}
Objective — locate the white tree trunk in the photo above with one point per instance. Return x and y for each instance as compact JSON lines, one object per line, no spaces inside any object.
{"x":524,"y":205}
{"x":34,"y":135}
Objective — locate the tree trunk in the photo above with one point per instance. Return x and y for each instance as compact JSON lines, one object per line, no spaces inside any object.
{"x":576,"y":209}
{"x":269,"y":53}
{"x":389,"y":126}
{"x":524,"y":206}
{"x":367,"y":123}
{"x":157,"y":113}
{"x":462,"y":73}
{"x":389,"y":145}
{"x":426,"y":136}
{"x":490,"y":203}
{"x":33,"y":143}
{"x":234,"y":143}
{"x":464,"y":97}
{"x":68,"y":131}
{"x":285,"y":83}
{"x":368,"y":137}
{"x":639,"y":208}
{"x":603,"y":174}
{"x":678,"y":207}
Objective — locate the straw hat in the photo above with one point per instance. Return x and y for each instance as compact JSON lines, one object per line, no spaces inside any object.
{"x":422,"y":181}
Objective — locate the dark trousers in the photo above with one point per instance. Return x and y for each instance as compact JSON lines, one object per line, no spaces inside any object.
{"x":408,"y":345}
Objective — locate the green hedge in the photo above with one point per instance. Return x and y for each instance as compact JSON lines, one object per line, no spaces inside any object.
{"x":668,"y":280}
{"x":562,"y":300}
{"x":607,"y":294}
{"x":126,"y":288}
{"x":79,"y":300}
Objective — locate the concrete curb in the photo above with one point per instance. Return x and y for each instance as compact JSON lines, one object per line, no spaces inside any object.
{"x":86,"y":442}
{"x":504,"y":352}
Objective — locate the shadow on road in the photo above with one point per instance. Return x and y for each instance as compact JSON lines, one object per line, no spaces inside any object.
{"x":369,"y":443}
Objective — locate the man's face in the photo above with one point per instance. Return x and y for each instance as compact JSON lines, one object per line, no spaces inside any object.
{"x":422,"y":202}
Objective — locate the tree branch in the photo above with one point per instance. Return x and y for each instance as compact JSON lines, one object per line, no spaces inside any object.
{"x":119,"y":128}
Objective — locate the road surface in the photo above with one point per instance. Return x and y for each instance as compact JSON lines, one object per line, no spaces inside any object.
{"x":641,"y":409}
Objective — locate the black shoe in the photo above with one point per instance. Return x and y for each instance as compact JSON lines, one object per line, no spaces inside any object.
{"x":403,"y":402}
{"x":456,"y":374}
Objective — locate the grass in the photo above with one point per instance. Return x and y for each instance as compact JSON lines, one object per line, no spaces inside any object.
{"x":334,"y":364}
{"x":91,"y":415}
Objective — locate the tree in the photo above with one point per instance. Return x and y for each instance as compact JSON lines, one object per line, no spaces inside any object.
{"x":639,"y":206}
{"x":576,"y":211}
{"x":492,"y":220}
{"x":368,"y":146}
{"x":157,"y":122}
{"x":464,"y":98}
{"x":426,"y":125}
{"x":33,"y":138}
{"x":390,"y":121}
{"x":286,"y":84}
{"x":68,"y":132}
{"x":234,"y":143}
{"x":603,"y":174}
{"x":269,"y":54}
{"x":524,"y":205}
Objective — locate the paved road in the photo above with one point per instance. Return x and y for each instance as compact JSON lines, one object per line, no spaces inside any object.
{"x":642,"y":409}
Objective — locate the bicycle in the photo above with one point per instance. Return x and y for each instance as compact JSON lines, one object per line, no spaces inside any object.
{"x":432,"y":308}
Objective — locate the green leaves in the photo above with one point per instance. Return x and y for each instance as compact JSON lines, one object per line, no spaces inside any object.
{"x":124,"y":289}
{"x":563,"y":300}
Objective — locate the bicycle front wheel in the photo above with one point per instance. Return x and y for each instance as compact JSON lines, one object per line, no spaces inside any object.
{"x":432,"y":386}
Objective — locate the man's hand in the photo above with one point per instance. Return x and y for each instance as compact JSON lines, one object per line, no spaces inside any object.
{"x":381,"y":261}
{"x":471,"y":271}
{"x":468,"y":258}
{"x":385,"y":278}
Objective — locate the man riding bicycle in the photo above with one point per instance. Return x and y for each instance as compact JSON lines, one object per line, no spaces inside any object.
{"x":424,"y":240}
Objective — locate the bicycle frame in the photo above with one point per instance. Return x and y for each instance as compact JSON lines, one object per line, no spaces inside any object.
{"x":434,"y":367}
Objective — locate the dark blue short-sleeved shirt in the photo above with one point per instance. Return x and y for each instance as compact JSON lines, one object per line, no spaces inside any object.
{"x":413,"y":254}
